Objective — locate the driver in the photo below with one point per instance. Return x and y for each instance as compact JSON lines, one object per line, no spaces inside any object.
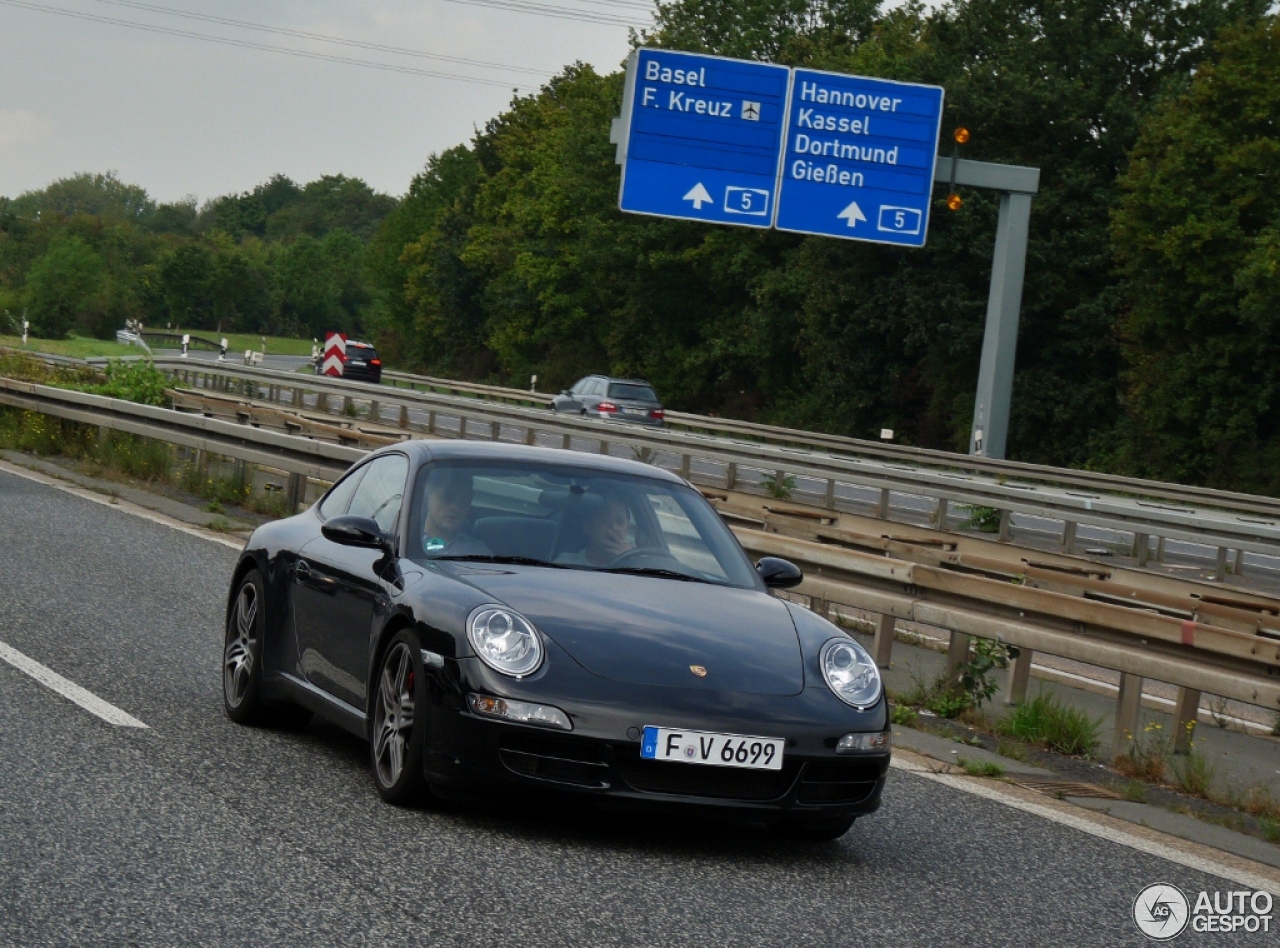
{"x":449,"y":491}
{"x":606,"y":529}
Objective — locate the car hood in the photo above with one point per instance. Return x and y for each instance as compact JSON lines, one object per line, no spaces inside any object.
{"x":648,"y":631}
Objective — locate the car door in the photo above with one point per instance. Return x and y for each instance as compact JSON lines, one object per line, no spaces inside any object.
{"x":592,"y":395}
{"x":569,"y":401}
{"x":337,"y":588}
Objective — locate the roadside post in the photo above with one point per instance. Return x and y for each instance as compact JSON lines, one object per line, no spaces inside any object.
{"x":222,"y":347}
{"x":727,"y":141}
{"x":335,"y":354}
{"x":25,"y":326}
{"x":186,"y":342}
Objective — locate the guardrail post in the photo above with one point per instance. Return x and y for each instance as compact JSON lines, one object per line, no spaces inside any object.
{"x":1185,"y":712}
{"x":530,"y":435}
{"x":431,"y":421}
{"x":829,"y":495}
{"x":942,"y":513}
{"x":820,"y":607}
{"x":1159,"y":549}
{"x":296,"y":401}
{"x":731,"y":476}
{"x":1019,"y":675}
{"x":296,"y":491}
{"x":1128,"y":710}
{"x":322,"y":403}
{"x":1004,"y":525}
{"x":883,"y":645}
{"x":604,"y":447}
{"x":375,"y":411}
{"x":957,"y":652}
{"x":1238,"y":569}
{"x":1220,"y":571}
{"x":346,"y":406}
{"x":404,"y":416}
{"x":495,"y":429}
{"x":1142,"y":548}
{"x":686,"y":464}
{"x":565,"y":445}
{"x":882,"y":511}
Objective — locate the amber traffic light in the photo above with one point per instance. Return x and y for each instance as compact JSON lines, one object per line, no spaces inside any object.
{"x":961,"y":135}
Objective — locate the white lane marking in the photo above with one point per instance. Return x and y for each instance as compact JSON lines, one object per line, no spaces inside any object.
{"x":118,"y":504}
{"x":1109,"y":833}
{"x":68,"y":689}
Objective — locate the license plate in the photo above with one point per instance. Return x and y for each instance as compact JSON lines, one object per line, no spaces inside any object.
{"x":708,"y":747}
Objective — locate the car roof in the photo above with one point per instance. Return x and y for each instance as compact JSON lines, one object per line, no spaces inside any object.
{"x":422,"y":451}
{"x":614,"y":378}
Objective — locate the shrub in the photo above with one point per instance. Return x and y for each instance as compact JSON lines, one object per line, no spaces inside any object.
{"x":138,"y":382}
{"x":978,"y":768}
{"x":1193,"y":773}
{"x":1147,"y":755}
{"x":1046,"y":721}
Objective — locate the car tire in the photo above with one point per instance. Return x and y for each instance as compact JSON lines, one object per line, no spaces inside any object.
{"x":818,"y":829}
{"x":242,"y":696}
{"x":396,"y":730}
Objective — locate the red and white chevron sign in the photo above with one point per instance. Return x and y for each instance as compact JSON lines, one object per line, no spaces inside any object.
{"x":335,"y":353}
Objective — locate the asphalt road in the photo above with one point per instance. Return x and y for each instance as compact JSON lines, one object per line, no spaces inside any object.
{"x":196,"y":831}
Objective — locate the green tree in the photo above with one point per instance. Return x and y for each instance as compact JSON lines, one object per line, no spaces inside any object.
{"x":64,"y":286}
{"x":99,"y":195}
{"x":1197,"y":237}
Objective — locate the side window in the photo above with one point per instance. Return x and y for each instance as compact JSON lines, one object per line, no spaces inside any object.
{"x":335,"y":504}
{"x":580,"y":387}
{"x":597,"y":387}
{"x":380,"y":493}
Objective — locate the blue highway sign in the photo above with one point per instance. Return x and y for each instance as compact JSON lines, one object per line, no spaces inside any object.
{"x":701,"y":137}
{"x":859,"y":158}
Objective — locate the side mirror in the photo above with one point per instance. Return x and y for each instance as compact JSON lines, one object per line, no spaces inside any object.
{"x":355,"y":531}
{"x":564,"y":391}
{"x":778,"y":573}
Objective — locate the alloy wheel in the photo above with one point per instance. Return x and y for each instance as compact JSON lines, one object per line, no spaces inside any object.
{"x":393,"y":715}
{"x":242,"y":645}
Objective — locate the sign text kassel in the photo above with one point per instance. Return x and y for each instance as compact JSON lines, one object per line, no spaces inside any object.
{"x":728,"y":141}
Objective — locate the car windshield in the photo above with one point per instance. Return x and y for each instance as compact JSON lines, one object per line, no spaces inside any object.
{"x":569,"y":517}
{"x":633,"y":392}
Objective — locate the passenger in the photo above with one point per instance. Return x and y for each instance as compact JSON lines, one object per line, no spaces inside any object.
{"x":449,"y":491}
{"x":606,"y":529}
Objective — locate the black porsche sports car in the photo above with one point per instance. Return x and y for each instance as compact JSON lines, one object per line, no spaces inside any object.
{"x":496,"y":615}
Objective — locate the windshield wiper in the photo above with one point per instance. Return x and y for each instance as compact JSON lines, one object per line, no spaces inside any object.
{"x":503,"y":560}
{"x":660,"y":573}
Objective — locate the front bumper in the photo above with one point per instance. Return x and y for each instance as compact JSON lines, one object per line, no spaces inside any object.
{"x":601,"y":757}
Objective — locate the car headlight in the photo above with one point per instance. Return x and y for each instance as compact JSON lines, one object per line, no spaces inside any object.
{"x":850,"y":673}
{"x":504,"y":640}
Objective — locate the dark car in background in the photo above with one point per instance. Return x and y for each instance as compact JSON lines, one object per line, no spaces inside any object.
{"x":494,"y":615}
{"x":363,"y":363}
{"x":600,"y":396}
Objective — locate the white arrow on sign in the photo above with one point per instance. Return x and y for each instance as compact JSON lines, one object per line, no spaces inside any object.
{"x":699,"y":196}
{"x":852,"y":214}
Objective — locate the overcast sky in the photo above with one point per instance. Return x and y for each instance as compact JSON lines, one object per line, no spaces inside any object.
{"x":182,"y":116}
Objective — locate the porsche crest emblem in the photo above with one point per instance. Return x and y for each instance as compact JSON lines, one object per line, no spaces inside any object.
{"x":698,"y":670}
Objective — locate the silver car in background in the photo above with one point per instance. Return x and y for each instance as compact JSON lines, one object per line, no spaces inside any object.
{"x":600,"y":396}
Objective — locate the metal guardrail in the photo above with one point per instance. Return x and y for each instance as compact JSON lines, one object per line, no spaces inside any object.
{"x":830,"y":477}
{"x":1197,"y":652}
{"x":1158,"y":491}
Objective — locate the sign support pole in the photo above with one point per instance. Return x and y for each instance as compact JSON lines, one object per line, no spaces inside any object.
{"x":990,"y":431}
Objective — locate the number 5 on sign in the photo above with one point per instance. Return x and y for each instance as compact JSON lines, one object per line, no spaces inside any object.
{"x":752,"y":201}
{"x":899,"y":220}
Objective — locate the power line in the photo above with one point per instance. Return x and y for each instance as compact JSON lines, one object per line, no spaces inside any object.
{"x":246,"y":44}
{"x":559,"y":13}
{"x":321,"y":37}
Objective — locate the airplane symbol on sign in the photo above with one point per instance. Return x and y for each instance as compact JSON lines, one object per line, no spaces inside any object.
{"x":751,"y":111}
